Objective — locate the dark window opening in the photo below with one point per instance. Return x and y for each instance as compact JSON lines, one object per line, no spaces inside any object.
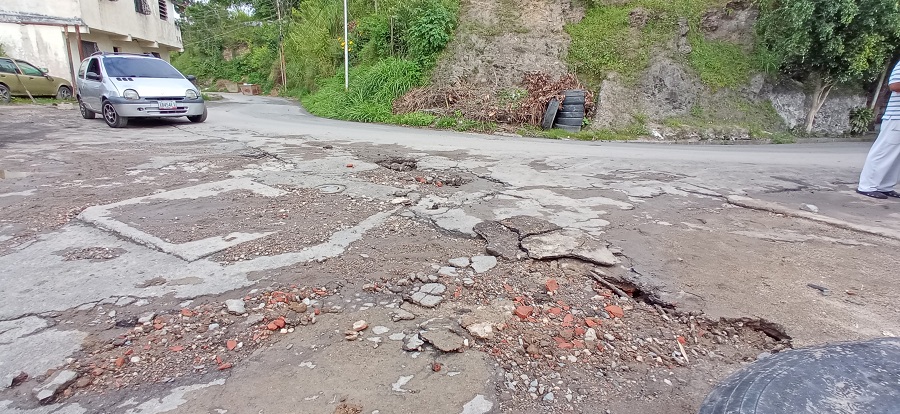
{"x":142,"y":6}
{"x":116,"y":49}
{"x":163,"y":10}
{"x":89,"y":48}
{"x":94,"y":66}
{"x":156,"y":55}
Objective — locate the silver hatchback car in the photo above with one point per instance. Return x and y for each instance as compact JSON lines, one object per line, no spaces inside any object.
{"x":120,"y":86}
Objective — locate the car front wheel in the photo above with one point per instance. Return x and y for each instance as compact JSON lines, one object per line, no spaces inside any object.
{"x":198,"y":118}
{"x":112,"y":117}
{"x":5,"y":94}
{"x":64,"y":93}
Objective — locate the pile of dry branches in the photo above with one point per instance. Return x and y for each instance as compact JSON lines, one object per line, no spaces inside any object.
{"x":482,"y":105}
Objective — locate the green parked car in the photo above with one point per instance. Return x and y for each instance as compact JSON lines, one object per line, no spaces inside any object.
{"x":17,"y":75}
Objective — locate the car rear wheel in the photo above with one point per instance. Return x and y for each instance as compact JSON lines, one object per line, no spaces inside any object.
{"x":5,"y":94}
{"x":112,"y":117}
{"x":198,"y":118}
{"x":64,"y":93}
{"x":85,"y":112}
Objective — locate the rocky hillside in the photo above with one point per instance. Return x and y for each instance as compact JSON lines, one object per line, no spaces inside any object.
{"x":681,"y":69}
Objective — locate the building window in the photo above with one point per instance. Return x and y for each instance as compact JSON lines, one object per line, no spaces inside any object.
{"x":116,"y":49}
{"x":163,"y":10}
{"x":156,"y":55}
{"x":142,"y":6}
{"x":89,"y":48}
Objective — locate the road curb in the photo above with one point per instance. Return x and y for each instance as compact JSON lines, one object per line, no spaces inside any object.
{"x":771,"y":207}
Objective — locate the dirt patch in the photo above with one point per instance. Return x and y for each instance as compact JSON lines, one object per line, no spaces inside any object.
{"x":302,"y":217}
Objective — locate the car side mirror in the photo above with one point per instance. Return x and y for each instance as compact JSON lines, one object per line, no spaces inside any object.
{"x":45,"y":70}
{"x":93,"y":76}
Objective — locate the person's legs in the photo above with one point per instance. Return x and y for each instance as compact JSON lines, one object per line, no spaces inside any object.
{"x":882,"y":169}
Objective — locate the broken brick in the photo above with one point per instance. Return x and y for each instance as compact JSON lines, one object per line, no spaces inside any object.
{"x":279,"y":323}
{"x":568,"y":319}
{"x":187,"y":312}
{"x":158,"y":326}
{"x":554,"y":311}
{"x":436,"y":367}
{"x":225,"y":366}
{"x":681,"y":340}
{"x":615,"y":311}
{"x":218,"y":359}
{"x":578,"y":343}
{"x":523,"y":312}
{"x":98,"y":371}
{"x":566,"y":345}
{"x":178,"y":348}
{"x":231,"y":344}
{"x":579,"y":331}
{"x":552,"y":285}
{"x":120,"y":361}
{"x":272,"y":326}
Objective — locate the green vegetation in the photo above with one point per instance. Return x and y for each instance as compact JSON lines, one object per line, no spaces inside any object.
{"x":826,"y":43}
{"x":622,"y":38}
{"x":371,"y":94}
{"x":392,"y":49}
{"x":860,"y":120}
{"x":732,"y":110}
{"x":630,"y":133}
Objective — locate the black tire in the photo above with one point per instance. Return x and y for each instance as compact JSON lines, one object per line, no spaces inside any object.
{"x":568,"y":128}
{"x":570,"y":121}
{"x":198,"y":118}
{"x":64,"y":93}
{"x":574,"y":102}
{"x":550,"y":114}
{"x":85,"y":113}
{"x":112,"y":117}
{"x":570,"y":113}
{"x":5,"y":94}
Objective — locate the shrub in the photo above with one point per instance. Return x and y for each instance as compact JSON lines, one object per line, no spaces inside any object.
{"x":860,"y":120}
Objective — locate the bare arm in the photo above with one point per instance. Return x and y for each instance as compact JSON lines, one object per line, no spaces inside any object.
{"x":895,"y":87}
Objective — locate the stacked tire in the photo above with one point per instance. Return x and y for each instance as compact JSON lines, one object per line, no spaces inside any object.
{"x":570,"y":116}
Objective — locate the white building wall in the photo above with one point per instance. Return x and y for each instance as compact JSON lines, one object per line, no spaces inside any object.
{"x":42,"y":46}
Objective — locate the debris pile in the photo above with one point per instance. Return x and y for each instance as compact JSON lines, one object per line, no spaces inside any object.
{"x":160,"y":347}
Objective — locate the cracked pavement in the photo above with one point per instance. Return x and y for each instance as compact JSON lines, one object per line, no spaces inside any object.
{"x":74,"y":184}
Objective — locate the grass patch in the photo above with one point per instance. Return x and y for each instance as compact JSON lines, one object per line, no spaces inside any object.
{"x":23,"y":100}
{"x":720,"y":64}
{"x":732,"y":110}
{"x":627,"y":134}
{"x":372,"y":91}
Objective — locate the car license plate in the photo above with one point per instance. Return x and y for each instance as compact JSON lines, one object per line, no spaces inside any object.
{"x":166,"y":104}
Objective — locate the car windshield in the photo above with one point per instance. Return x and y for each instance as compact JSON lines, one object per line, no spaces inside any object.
{"x":122,"y":67}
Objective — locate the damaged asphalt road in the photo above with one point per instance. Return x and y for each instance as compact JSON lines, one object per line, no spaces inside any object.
{"x":226,"y":267}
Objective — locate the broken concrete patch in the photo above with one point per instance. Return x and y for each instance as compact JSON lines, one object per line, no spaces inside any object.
{"x":501,"y":241}
{"x":569,"y":243}
{"x":478,"y":405}
{"x":55,"y":385}
{"x":236,"y":306}
{"x":460,"y":262}
{"x":482,"y":264}
{"x":526,"y":226}
{"x":444,"y":339}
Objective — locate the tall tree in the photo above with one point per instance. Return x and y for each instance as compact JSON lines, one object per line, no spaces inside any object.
{"x":823,"y":43}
